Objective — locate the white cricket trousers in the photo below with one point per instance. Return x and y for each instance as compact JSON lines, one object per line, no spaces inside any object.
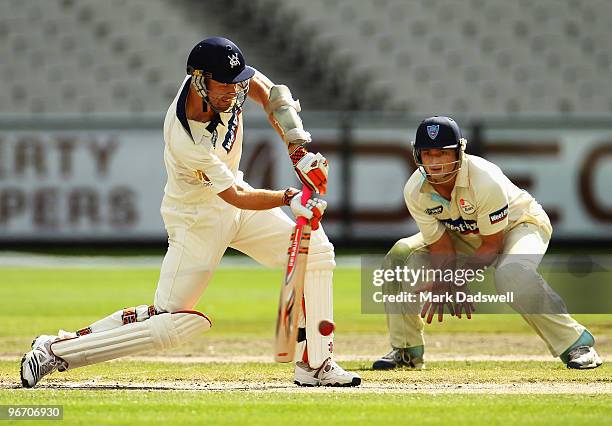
{"x":516,"y":267}
{"x":198,"y":236}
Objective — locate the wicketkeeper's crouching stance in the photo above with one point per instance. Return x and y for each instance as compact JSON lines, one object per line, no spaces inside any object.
{"x":208,"y":207}
{"x":464,"y":204}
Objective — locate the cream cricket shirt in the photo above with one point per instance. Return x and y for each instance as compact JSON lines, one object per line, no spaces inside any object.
{"x":201,"y":159}
{"x":483,"y":202}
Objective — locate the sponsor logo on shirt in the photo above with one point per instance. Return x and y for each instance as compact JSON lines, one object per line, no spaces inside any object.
{"x":499,"y":215}
{"x":232,"y":129}
{"x":466,"y":206}
{"x":463,"y":226}
{"x":434,"y":210}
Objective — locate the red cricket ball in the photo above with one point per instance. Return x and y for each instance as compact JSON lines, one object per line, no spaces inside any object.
{"x":326,"y":327}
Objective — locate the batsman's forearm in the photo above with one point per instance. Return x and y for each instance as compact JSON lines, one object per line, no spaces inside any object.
{"x":293,"y":146}
{"x":259,"y":199}
{"x":255,"y":199}
{"x":259,"y":90}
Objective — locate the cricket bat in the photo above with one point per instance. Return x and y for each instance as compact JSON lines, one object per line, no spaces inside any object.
{"x":292,"y":288}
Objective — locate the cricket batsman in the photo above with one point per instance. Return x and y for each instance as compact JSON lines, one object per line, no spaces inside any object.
{"x":208,"y":207}
{"x":464,"y":204}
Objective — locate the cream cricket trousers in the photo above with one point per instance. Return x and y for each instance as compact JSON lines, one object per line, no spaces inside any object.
{"x":198,"y":236}
{"x":524,"y":247}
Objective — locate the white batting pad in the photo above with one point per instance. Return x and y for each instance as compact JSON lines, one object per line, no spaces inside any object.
{"x":318,"y":297}
{"x":159,"y":332}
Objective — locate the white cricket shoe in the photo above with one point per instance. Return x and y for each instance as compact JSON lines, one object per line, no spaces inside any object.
{"x":328,"y":374}
{"x":39,"y":361}
{"x":583,"y":357}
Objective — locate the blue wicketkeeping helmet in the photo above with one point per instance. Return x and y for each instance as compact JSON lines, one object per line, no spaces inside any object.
{"x":438,"y":132}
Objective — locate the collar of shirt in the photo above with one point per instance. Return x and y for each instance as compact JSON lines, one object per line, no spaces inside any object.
{"x":181,"y":112}
{"x":212,"y":124}
{"x":199,"y":129}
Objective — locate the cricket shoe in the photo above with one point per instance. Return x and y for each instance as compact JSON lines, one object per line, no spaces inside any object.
{"x":39,"y":361}
{"x":583,"y":358}
{"x":401,"y":357}
{"x":328,"y":374}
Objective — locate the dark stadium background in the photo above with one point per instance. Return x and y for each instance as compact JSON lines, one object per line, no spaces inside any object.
{"x":85,"y":85}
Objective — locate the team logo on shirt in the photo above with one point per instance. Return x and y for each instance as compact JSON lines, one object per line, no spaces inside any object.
{"x":201,"y":176}
{"x":433,"y":130}
{"x":466,"y":206}
{"x":434,"y":210}
{"x":499,"y":215}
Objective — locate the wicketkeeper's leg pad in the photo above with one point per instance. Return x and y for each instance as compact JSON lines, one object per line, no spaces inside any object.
{"x":159,"y":332}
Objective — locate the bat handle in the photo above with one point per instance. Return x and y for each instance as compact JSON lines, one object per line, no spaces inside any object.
{"x":306,"y":194}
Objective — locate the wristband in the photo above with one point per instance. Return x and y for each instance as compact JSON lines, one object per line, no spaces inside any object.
{"x":288,"y":196}
{"x":298,"y":154}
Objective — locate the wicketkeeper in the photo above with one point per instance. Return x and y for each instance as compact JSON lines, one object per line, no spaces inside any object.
{"x":464,"y":204}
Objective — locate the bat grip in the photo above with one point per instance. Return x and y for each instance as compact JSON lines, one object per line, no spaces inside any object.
{"x":306,"y":194}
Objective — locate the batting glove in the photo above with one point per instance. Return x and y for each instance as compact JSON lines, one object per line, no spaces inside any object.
{"x":313,"y":210}
{"x":311,"y":169}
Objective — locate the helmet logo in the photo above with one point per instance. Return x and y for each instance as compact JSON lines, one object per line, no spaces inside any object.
{"x":433,"y":130}
{"x":233,"y":60}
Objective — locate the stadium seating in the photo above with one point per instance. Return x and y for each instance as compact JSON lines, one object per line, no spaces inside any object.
{"x":474,"y":57}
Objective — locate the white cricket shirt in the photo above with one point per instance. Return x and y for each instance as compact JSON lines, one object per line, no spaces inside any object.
{"x":200,"y":161}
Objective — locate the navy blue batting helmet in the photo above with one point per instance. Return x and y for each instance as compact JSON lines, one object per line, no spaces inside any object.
{"x":221,"y":59}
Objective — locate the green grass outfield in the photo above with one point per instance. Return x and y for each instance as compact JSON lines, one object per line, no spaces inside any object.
{"x":252,"y":408}
{"x":258,"y":393}
{"x":242,"y":306}
{"x":240,"y":302}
